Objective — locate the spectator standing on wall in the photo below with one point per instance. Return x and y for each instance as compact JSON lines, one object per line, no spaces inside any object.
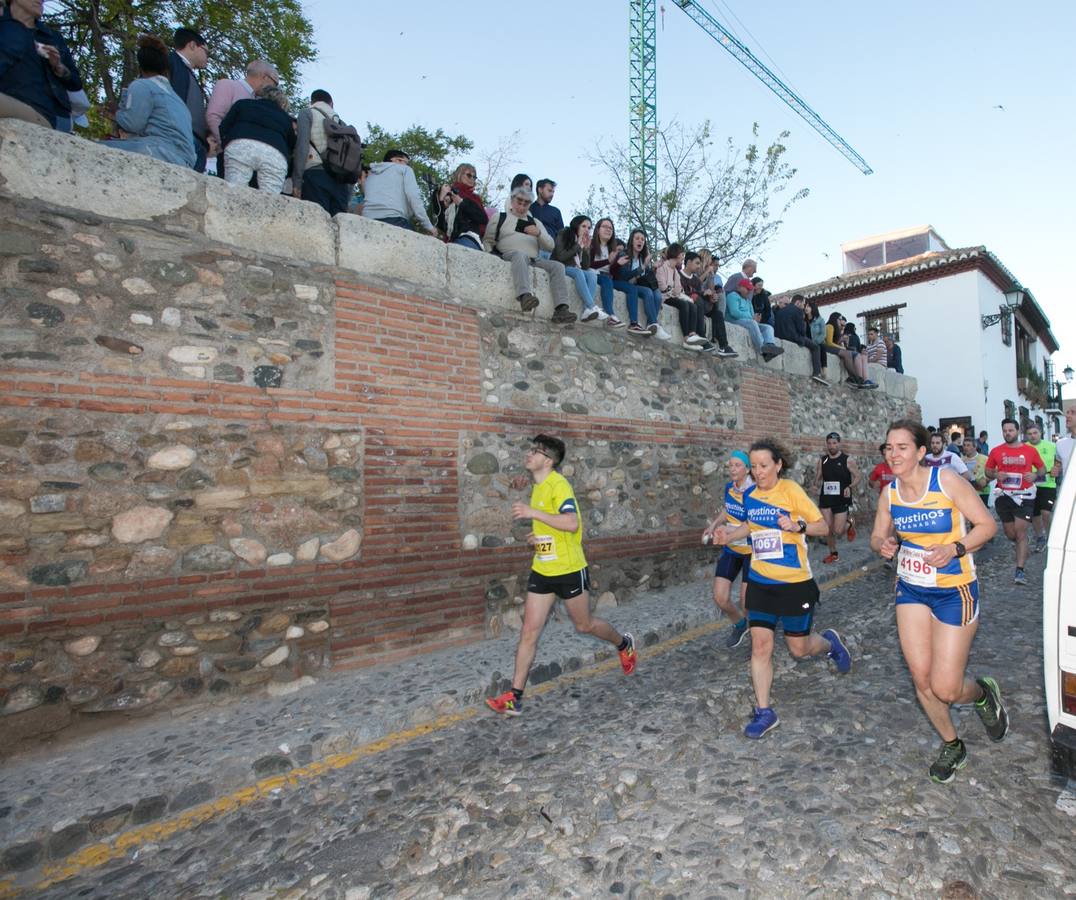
{"x":543,"y":210}
{"x":894,"y":359}
{"x":259,"y":74}
{"x":517,"y":237}
{"x":259,"y":139}
{"x":876,"y":351}
{"x":189,"y":55}
{"x":392,"y":194}
{"x":36,"y":68}
{"x":156,"y":122}
{"x":309,"y":180}
{"x":792,"y":326}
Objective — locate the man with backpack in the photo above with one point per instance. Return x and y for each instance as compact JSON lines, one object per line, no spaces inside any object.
{"x":328,"y":156}
{"x":393,"y":195}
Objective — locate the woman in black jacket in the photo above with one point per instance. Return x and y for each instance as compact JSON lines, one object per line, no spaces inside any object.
{"x":258,"y":136}
{"x":572,"y":250}
{"x":461,"y":219}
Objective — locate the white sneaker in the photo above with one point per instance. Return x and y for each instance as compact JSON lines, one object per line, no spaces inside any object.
{"x":602,"y":315}
{"x":688,"y":345}
{"x":694,"y":339}
{"x":590,"y":315}
{"x":661,"y":334}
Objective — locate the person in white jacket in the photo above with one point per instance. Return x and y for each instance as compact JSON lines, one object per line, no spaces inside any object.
{"x":392,"y":194}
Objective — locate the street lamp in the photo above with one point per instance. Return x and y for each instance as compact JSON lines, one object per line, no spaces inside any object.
{"x":1056,"y":403}
{"x":1013,"y":298}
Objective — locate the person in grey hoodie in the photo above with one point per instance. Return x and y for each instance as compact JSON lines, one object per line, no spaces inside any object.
{"x":392,"y":193}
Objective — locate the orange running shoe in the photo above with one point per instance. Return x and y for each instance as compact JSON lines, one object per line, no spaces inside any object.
{"x":851,"y":530}
{"x":506,"y":704}
{"x":628,"y":656}
{"x":832,"y":558}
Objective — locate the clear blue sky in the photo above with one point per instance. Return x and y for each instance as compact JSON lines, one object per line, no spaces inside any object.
{"x":913,"y":91}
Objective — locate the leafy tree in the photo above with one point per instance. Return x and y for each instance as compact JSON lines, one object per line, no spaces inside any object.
{"x":103,"y":36}
{"x":433,"y":153}
{"x":721,"y":201}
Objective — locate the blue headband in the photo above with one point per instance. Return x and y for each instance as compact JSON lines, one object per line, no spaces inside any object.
{"x":742,"y":457}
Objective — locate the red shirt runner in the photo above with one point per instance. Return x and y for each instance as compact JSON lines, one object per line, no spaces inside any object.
{"x":1013,"y":463}
{"x":882,"y":476}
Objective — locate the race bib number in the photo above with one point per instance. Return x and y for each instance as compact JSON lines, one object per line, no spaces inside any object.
{"x":831,"y":488}
{"x":913,"y":568}
{"x":1011,"y":481}
{"x":767,"y":544}
{"x":545,"y":550}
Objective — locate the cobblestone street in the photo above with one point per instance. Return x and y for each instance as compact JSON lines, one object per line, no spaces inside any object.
{"x":645,"y":787}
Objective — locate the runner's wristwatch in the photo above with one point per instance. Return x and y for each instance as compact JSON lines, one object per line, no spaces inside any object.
{"x":961,"y":550}
{"x":803,"y":525}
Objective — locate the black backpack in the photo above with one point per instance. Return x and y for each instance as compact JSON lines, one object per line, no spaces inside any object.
{"x":342,"y":158}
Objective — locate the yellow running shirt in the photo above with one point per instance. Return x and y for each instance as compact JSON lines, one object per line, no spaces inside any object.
{"x":779,"y":557}
{"x":735,"y":513}
{"x":925,"y":522}
{"x":556,"y":552}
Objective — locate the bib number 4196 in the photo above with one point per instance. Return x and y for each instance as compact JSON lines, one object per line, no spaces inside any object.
{"x":913,"y":568}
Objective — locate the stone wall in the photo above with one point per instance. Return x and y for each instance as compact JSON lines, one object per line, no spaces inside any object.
{"x":241,"y":442}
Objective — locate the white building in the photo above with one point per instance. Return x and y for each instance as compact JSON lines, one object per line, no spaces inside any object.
{"x":968,"y":329}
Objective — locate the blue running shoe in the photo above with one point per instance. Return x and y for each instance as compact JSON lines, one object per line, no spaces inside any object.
{"x":736,"y":634}
{"x":762,"y":722}
{"x":838,"y":652}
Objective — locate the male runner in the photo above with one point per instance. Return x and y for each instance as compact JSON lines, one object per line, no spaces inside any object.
{"x":1046,"y":489}
{"x":941,"y":458}
{"x":1015,"y":465}
{"x":837,"y":477}
{"x":559,"y":569}
{"x":976,"y":463}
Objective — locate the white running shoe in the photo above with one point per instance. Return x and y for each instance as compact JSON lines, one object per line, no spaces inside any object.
{"x":590,"y":315}
{"x":694,"y":339}
{"x":661,"y":334}
{"x":602,"y":314}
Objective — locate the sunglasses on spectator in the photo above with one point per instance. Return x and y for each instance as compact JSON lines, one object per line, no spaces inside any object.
{"x":468,"y":175}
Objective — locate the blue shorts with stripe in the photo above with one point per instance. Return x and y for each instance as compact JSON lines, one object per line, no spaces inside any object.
{"x":954,"y":606}
{"x":730,"y":564}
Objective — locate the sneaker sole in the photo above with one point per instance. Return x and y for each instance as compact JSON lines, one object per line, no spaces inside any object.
{"x":739,"y":640}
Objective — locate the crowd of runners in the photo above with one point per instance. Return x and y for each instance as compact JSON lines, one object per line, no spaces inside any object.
{"x":930,"y":520}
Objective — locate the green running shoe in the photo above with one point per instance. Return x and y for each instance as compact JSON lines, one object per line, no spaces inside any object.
{"x":991,"y":710}
{"x":952,"y":757}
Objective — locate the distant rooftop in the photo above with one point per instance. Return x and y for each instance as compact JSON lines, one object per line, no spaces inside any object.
{"x":893,"y":246}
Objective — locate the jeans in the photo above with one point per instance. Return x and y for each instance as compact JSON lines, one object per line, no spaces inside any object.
{"x":651,"y":301}
{"x":244,"y":157}
{"x":521,"y":275}
{"x":321,"y":188}
{"x":606,"y":284}
{"x":586,"y":283}
{"x":468,"y":242}
{"x":398,"y":221}
{"x":760,"y":334}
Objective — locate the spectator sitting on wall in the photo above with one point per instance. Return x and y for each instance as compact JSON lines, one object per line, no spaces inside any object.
{"x":154,"y":121}
{"x":851,"y":340}
{"x":392,"y":194}
{"x":309,"y":179}
{"x":894,"y":359}
{"x":188,"y":55}
{"x":696,"y":287}
{"x":855,"y":364}
{"x":760,"y":301}
{"x":259,"y":139}
{"x":522,"y":180}
{"x":543,"y":210}
{"x":876,"y":352}
{"x":461,"y":218}
{"x":672,"y":292}
{"x":747,"y":271}
{"x":631,"y":265}
{"x":739,"y":311}
{"x":259,"y":74}
{"x":792,"y":326}
{"x":713,"y":285}
{"x":36,"y":68}
{"x":517,"y":236}
{"x":572,"y":249}
{"x":604,"y":246}
{"x":465,"y":180}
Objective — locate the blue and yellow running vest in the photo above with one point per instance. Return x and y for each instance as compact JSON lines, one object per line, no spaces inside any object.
{"x":931,"y":520}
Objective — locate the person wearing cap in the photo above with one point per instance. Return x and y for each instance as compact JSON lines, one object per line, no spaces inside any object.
{"x":739,"y":311}
{"x":392,"y":194}
{"x":517,"y":237}
{"x":735,"y":558}
{"x":837,"y":476}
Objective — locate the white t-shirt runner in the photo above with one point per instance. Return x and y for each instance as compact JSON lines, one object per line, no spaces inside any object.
{"x":945,"y":460}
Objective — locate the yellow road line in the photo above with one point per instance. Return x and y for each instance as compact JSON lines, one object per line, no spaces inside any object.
{"x":96,"y":855}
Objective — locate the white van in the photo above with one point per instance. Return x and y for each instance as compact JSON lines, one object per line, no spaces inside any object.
{"x":1059,"y":630}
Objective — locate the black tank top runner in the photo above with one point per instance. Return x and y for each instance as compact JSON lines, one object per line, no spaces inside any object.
{"x":836,"y":469}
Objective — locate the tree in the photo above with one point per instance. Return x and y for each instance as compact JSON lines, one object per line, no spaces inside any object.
{"x":723,"y":204}
{"x":494,"y":167}
{"x":103,"y":36}
{"x":432,"y":152}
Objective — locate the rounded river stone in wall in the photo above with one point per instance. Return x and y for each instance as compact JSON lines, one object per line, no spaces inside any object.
{"x":268,"y":376}
{"x":483,"y":464}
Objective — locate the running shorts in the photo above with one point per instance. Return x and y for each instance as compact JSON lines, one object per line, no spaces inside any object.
{"x":838,"y":503}
{"x":564,"y":586}
{"x":954,"y":606}
{"x":790,"y":604}
{"x":1008,"y":509}
{"x":730,"y":564}
{"x":1044,"y":499}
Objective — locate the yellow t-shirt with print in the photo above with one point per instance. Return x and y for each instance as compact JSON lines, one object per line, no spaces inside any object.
{"x":556,"y":552}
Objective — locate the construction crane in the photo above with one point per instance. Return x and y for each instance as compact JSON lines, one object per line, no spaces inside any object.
{"x":642,"y":49}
